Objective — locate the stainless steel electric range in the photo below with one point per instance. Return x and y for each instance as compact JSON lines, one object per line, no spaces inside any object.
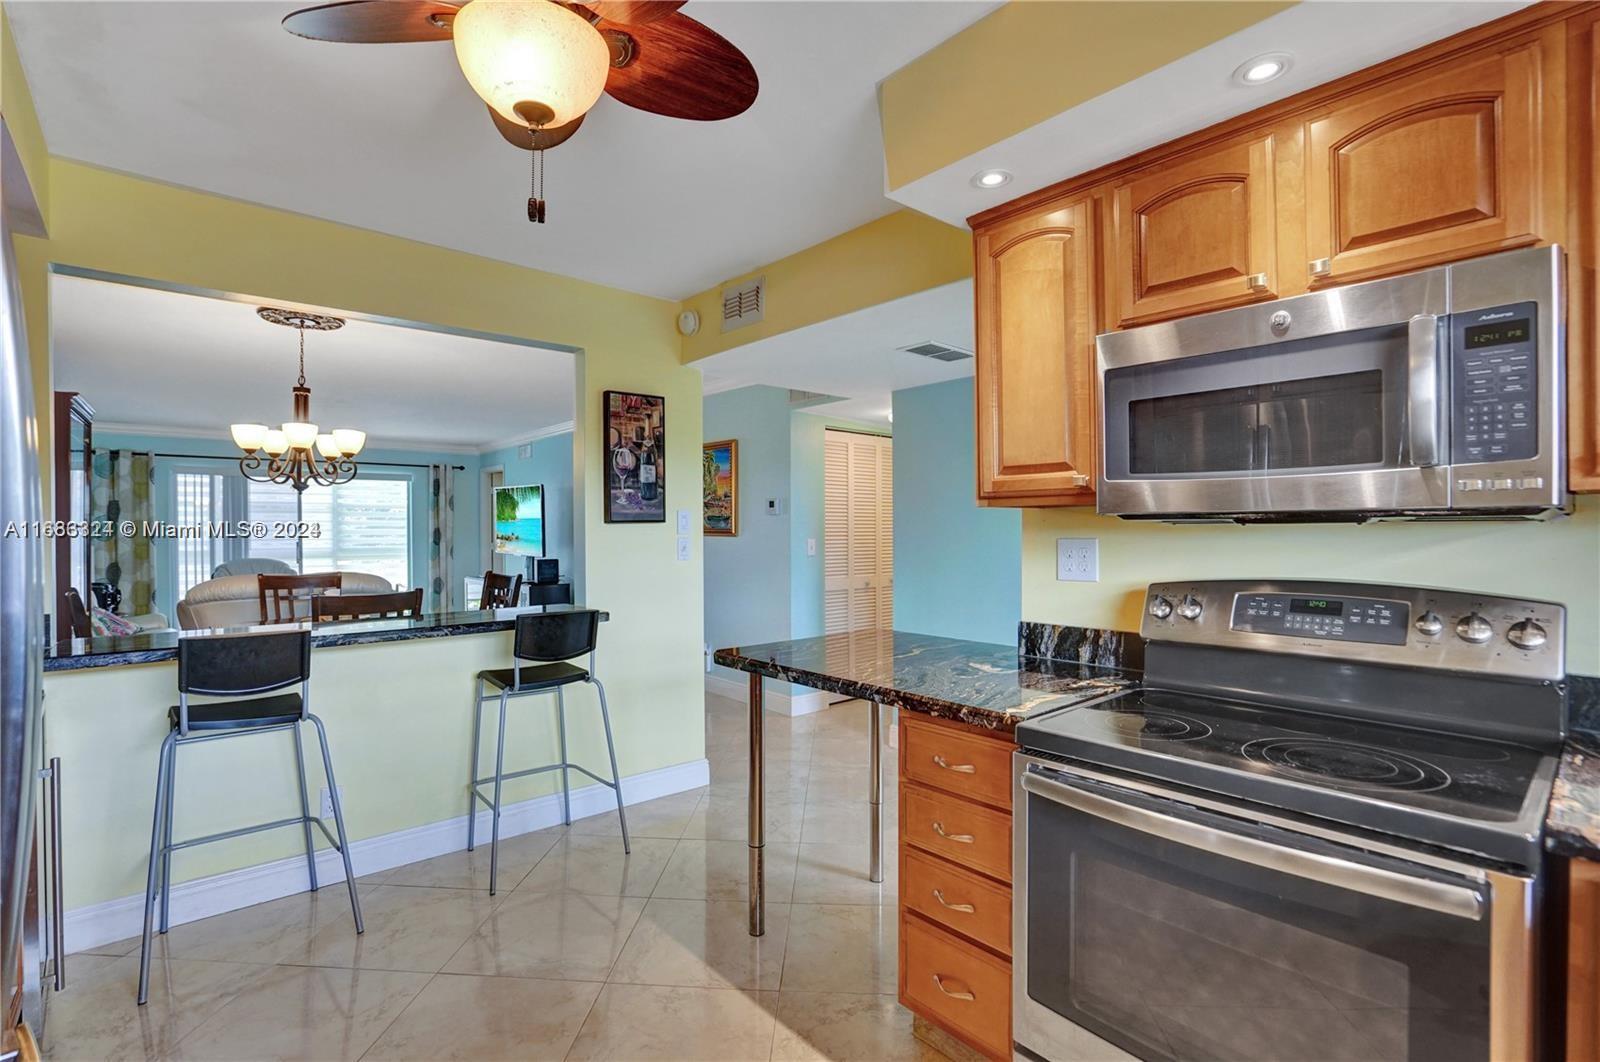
{"x":1314,"y":832}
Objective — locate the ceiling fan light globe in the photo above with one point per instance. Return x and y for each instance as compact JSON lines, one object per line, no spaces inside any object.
{"x":531,"y":52}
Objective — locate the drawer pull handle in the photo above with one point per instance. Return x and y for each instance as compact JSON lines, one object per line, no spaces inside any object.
{"x":1258,"y":281}
{"x":938,"y":982}
{"x":958,"y":838}
{"x":959,"y":768}
{"x":964,"y":908}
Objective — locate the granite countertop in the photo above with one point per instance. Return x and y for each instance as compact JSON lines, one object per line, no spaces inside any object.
{"x":155,"y":647}
{"x":981,"y":683}
{"x":1572,"y":828}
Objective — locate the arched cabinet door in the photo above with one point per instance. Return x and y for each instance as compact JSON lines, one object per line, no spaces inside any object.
{"x":1035,"y":290}
{"x":1197,"y":233}
{"x":1435,"y":169}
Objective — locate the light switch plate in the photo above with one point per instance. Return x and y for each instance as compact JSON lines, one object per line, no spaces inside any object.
{"x":684,"y":526}
{"x":683,"y":547}
{"x":1078,"y":560}
{"x":811,"y":547}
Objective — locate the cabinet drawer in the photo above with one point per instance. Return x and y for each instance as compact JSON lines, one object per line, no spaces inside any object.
{"x":958,"y":899}
{"x":957,"y":984}
{"x":973,"y":767}
{"x":967,"y":833}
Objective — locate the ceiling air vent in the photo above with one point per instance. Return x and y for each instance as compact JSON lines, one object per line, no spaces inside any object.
{"x":743,"y":305}
{"x":800,"y":399}
{"x":938,"y":351}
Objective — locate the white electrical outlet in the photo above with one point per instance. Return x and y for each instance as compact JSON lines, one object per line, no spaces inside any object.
{"x":811,"y":547}
{"x":684,"y":525}
{"x":1078,"y":560}
{"x":327,"y":803}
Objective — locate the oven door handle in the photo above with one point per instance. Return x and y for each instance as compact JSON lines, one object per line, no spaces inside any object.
{"x":1313,"y":866}
{"x":1422,"y":389}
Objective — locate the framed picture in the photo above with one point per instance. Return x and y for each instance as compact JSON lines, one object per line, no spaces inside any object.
{"x":719,"y":475}
{"x":636,"y":458}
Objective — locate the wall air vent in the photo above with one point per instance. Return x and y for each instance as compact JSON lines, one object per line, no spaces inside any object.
{"x":937,"y":351}
{"x":744,"y":305}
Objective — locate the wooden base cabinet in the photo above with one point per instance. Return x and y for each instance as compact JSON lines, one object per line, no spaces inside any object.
{"x":955,"y":880}
{"x":1583,"y":961}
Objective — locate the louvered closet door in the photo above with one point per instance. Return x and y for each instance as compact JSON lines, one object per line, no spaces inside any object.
{"x":858,"y":554}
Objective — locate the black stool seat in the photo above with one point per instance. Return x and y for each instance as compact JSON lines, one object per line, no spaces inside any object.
{"x":235,"y":715}
{"x":540,"y":677}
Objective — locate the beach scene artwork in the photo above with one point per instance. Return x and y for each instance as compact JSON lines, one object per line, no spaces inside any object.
{"x":519,"y":520}
{"x":720,"y":482}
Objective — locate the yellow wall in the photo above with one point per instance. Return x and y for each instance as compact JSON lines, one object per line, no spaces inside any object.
{"x":1029,"y":61}
{"x":1557,"y":560}
{"x":119,"y":224}
{"x":22,"y":123}
{"x":897,"y":255}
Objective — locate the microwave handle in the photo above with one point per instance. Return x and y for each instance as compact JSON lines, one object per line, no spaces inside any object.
{"x":1313,"y":866}
{"x":1422,"y":389}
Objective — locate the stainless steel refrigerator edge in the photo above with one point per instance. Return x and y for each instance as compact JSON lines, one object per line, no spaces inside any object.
{"x":21,"y":655}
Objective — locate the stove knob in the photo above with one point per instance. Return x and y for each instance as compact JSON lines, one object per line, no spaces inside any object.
{"x":1160,"y":607}
{"x":1526,"y":635}
{"x":1190,"y":607}
{"x":1430,"y":624}
{"x":1474,"y":628}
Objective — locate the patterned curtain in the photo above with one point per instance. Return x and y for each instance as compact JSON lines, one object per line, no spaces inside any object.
{"x":121,"y":490}
{"x":441,"y":536}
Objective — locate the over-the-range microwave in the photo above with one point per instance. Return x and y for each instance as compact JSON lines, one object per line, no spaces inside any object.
{"x":1439,"y":393}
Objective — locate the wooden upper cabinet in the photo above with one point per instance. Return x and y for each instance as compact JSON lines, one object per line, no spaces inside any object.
{"x":1432,"y":169}
{"x":1036,"y":295}
{"x":1196,"y":235}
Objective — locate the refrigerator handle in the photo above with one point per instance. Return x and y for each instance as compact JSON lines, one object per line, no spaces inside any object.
{"x":57,"y":912}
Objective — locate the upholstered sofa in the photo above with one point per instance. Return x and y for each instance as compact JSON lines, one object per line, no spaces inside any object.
{"x":235,"y":600}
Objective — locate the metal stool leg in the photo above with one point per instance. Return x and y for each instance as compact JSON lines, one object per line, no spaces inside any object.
{"x":338,"y":821}
{"x":472,"y":778}
{"x":616,"y":776}
{"x":156,"y":835}
{"x":305,"y":807}
{"x":166,"y":831}
{"x":499,"y":769}
{"x":566,"y":784}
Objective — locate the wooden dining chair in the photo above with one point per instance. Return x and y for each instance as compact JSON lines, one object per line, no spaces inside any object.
{"x":404,"y":604}
{"x":77,"y":614}
{"x":500,"y":591}
{"x":282,"y":591}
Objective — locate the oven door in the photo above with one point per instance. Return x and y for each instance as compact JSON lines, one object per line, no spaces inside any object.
{"x":1154,"y":929}
{"x":1328,"y":402}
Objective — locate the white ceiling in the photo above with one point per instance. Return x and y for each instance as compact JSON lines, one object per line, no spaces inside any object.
{"x":857,"y":356}
{"x":1327,"y":39}
{"x":217,"y":96}
{"x":160,"y":360}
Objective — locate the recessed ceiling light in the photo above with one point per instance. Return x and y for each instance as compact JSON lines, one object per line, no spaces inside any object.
{"x":1263,"y":68}
{"x":990,"y":178}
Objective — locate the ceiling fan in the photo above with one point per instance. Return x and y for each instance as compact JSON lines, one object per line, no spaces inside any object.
{"x":541,"y":64}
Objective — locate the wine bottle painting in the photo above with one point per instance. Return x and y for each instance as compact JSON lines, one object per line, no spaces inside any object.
{"x":636,"y":481}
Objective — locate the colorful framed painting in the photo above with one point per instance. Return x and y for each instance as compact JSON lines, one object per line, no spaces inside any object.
{"x":635,"y":458}
{"x":719,"y":474}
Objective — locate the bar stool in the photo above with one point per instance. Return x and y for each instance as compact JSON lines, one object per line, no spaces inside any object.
{"x":547,"y":640}
{"x":238,"y":666}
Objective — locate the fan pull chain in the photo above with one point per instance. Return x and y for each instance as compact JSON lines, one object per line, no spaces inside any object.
{"x":535,"y":176}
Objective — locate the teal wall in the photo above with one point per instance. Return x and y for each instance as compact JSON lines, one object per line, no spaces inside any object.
{"x":957,"y":566}
{"x":467,"y":507}
{"x":550,"y":463}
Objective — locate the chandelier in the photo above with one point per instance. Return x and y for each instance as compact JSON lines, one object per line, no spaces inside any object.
{"x":296,"y":453}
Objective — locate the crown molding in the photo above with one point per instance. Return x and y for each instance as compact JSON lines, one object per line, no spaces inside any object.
{"x":561,"y":428}
{"x":374,"y":442}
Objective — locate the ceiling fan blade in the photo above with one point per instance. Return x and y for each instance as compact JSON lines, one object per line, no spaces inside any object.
{"x":516,"y":133}
{"x":374,"y":21}
{"x":681,"y":69}
{"x":633,"y":12}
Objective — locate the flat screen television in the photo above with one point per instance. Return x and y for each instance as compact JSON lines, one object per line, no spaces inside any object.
{"x":519,"y":520}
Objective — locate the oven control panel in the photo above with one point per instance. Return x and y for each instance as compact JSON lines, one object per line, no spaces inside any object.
{"x":1350,"y":619}
{"x":1495,"y":386}
{"x":1403,"y":626}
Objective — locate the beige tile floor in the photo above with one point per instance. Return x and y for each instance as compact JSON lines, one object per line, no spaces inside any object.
{"x":584,"y":954}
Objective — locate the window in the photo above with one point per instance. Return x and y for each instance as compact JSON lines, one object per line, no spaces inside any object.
{"x":365,"y":525}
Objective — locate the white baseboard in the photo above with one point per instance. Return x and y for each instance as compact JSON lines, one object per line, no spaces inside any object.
{"x":119,"y":919}
{"x":774,"y":700}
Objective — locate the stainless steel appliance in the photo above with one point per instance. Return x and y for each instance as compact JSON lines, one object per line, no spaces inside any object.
{"x":22,"y":606}
{"x":1439,"y":393}
{"x":1313,"y":833}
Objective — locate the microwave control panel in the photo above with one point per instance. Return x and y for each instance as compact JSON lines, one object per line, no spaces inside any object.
{"x":1494,"y":384}
{"x":1348,"y":619}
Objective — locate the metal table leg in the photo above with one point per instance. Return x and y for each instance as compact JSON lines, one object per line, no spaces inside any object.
{"x":875,"y":790}
{"x":758,"y":832}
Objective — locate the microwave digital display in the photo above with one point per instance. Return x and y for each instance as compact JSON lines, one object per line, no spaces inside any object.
{"x":1497,"y":334}
{"x":1316,"y":606}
